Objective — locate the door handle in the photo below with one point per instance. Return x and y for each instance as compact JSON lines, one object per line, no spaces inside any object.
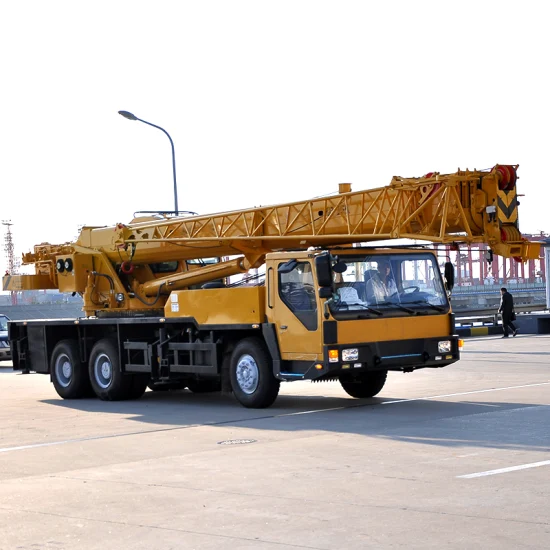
{"x":283,"y":327}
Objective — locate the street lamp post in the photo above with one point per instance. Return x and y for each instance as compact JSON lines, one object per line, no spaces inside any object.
{"x":130,"y":116}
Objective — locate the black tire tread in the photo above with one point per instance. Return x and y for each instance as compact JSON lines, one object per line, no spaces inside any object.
{"x":368,"y":384}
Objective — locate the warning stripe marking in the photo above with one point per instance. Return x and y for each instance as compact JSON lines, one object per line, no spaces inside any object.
{"x":507,"y":205}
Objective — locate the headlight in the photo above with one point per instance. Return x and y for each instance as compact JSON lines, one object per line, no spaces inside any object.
{"x":444,"y":346}
{"x":350,"y":354}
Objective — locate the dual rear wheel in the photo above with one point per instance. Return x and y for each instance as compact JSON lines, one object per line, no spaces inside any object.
{"x":102,"y":376}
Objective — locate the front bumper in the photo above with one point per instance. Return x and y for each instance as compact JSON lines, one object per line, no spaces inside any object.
{"x":403,"y":355}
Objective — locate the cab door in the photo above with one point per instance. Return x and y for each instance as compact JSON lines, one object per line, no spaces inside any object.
{"x":293,"y":307}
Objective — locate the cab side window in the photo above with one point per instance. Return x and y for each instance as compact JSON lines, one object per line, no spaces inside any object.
{"x":298,"y":293}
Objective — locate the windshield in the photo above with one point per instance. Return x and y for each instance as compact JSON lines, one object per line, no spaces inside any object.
{"x":398,"y":284}
{"x":3,"y":323}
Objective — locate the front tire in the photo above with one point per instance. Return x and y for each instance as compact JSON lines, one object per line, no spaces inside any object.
{"x":251,"y":373}
{"x":107,"y":380}
{"x":69,"y":375}
{"x":368,"y":384}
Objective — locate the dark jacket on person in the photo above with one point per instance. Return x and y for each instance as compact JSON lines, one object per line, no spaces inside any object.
{"x":506,"y":305}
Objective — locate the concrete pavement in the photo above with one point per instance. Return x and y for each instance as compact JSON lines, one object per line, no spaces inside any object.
{"x":321,"y":470}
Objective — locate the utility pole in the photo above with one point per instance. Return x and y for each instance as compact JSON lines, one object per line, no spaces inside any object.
{"x":10,"y":257}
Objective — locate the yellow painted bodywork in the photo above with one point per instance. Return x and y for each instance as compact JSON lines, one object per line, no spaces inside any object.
{"x":296,"y":342}
{"x":77,"y":278}
{"x":16,"y":283}
{"x":395,"y":328}
{"x":219,"y":306}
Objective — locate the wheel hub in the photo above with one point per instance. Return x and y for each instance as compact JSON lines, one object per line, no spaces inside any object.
{"x":67,"y":369}
{"x":106,"y":370}
{"x":64,"y":370}
{"x":103,"y":370}
{"x":248,"y":374}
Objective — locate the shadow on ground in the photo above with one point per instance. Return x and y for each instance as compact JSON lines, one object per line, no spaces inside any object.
{"x":427,"y":421}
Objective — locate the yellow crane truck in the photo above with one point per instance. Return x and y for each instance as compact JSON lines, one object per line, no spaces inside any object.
{"x":160,"y":310}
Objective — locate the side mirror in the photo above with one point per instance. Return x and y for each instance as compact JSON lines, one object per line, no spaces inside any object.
{"x":449,"y":276}
{"x":340,"y":267}
{"x":323,"y":270}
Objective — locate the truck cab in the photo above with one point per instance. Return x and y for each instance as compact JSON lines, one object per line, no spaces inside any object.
{"x":345,"y":312}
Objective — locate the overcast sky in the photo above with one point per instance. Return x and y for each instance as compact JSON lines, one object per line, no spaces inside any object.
{"x":266,"y":102}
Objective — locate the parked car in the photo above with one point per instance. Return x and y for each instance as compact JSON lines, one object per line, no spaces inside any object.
{"x":5,"y":351}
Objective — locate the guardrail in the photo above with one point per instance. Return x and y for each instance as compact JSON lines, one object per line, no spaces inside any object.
{"x":491,"y":315}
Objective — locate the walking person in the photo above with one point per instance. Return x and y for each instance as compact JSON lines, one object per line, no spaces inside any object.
{"x":506,"y":309}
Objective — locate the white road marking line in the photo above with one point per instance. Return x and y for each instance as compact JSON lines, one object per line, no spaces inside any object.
{"x":81,"y":440}
{"x":465,"y":393}
{"x":409,"y":400}
{"x":36,"y":445}
{"x":506,"y":470}
{"x":317,"y":411}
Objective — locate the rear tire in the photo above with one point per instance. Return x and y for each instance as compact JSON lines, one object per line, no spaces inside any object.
{"x":107,"y":380}
{"x":368,"y":384}
{"x":69,"y":375}
{"x":251,"y":373}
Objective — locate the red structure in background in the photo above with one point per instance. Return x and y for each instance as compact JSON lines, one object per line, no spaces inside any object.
{"x":473,"y":268}
{"x":12,"y":264}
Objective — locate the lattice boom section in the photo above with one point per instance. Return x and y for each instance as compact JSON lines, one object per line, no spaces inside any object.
{"x":361,"y":216}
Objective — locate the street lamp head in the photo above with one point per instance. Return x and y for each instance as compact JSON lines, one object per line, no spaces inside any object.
{"x":128,"y":115}
{"x":131,"y":116}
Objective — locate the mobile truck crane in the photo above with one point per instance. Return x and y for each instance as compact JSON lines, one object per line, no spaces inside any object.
{"x":159,"y":311}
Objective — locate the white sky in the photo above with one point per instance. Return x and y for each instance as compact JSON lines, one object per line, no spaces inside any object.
{"x":266,"y":102}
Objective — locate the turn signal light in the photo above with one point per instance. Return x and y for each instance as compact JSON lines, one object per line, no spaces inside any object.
{"x":333,"y":355}
{"x":460,"y":344}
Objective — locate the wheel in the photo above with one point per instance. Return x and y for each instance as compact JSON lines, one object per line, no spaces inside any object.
{"x":69,"y":374}
{"x":107,"y":380}
{"x":251,"y":374}
{"x":204,"y":386}
{"x":368,"y":384}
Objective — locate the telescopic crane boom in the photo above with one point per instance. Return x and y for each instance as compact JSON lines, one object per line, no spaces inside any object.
{"x":443,"y":208}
